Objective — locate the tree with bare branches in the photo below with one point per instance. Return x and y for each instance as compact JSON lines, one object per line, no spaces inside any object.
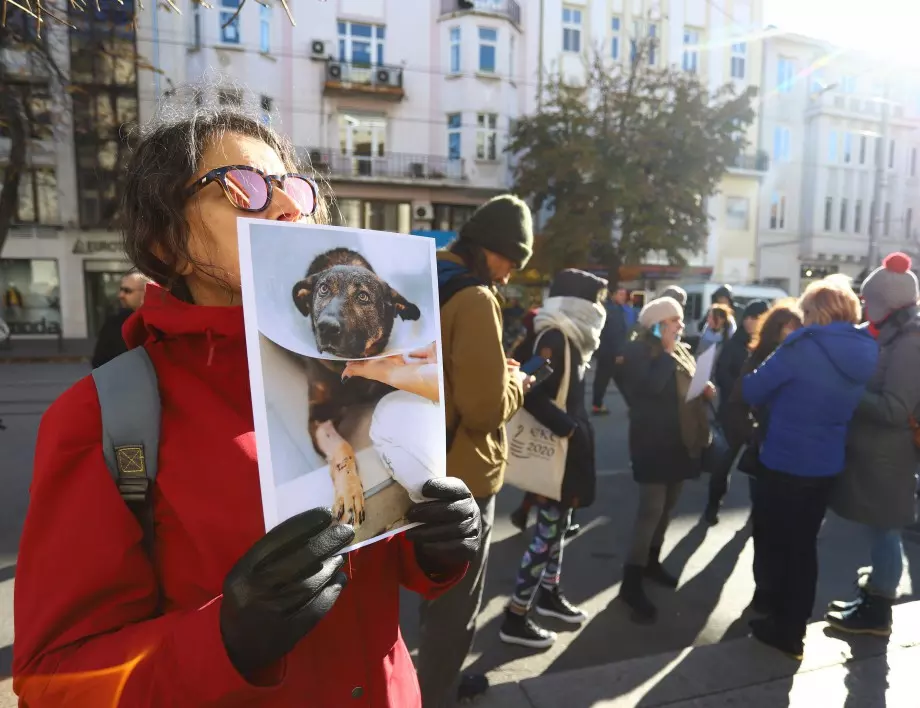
{"x":626,"y":161}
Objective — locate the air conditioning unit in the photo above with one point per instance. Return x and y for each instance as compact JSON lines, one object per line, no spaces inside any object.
{"x":319,"y":49}
{"x":422,"y":211}
{"x":334,"y":71}
{"x":384,"y":76}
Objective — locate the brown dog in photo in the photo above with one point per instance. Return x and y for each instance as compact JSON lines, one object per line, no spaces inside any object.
{"x":352,"y":312}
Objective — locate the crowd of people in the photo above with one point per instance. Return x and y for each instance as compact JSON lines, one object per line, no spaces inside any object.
{"x":816,"y":404}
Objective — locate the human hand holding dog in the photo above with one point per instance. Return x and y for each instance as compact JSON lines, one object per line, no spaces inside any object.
{"x":451,"y":530}
{"x":281,"y":588}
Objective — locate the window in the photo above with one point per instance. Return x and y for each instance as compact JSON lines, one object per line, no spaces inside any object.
{"x":785,"y":75}
{"x":736,"y":213}
{"x":451,"y":217}
{"x":265,"y":28}
{"x":454,"y":123}
{"x":843,"y":215}
{"x":38,"y":197}
{"x":777,"y":211}
{"x":691,"y":50}
{"x":887,"y":218}
{"x":873,"y":226}
{"x":229,"y":33}
{"x":891,"y":154}
{"x":267,"y":104}
{"x":395,"y":217}
{"x":832,"y":147}
{"x":488,"y":47}
{"x":653,"y":43}
{"x":454,"y":50}
{"x":486,"y":136}
{"x":862,"y":149}
{"x":848,"y":84}
{"x":908,"y":222}
{"x":781,"y":144}
{"x":828,"y":212}
{"x":361,"y":44}
{"x":31,"y":292}
{"x":913,"y":162}
{"x":857,"y":217}
{"x":512,"y":47}
{"x":571,"y":29}
{"x":615,"y":38}
{"x":847,"y":147}
{"x":739,"y":53}
{"x":196,"y":25}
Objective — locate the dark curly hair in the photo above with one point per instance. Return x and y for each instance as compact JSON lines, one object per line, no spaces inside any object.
{"x":167,"y":156}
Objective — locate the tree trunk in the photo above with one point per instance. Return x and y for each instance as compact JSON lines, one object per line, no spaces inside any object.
{"x":13,"y":112}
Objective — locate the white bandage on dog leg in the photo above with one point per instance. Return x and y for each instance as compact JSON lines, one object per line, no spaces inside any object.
{"x":407,"y":433}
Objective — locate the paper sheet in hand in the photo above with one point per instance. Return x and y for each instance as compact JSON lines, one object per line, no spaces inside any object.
{"x":703,"y":373}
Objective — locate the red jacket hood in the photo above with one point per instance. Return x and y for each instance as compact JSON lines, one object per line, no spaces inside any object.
{"x":163,"y":316}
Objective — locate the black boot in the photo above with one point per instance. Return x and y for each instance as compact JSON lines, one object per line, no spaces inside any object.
{"x":656,"y":572}
{"x":633,"y":594}
{"x":871,"y":616}
{"x":863,"y":582}
{"x":519,"y":517}
{"x":711,"y":514}
{"x":471,"y":687}
{"x":767,"y":631}
{"x":574,"y":527}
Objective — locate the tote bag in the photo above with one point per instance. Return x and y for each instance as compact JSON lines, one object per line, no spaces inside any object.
{"x":536,"y":456}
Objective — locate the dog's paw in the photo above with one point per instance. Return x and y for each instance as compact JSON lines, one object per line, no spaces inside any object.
{"x":348,"y":505}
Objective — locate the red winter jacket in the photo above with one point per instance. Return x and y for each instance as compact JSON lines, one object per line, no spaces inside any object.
{"x":85,"y":589}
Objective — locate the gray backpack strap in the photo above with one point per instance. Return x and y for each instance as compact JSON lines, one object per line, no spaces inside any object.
{"x":129,"y":398}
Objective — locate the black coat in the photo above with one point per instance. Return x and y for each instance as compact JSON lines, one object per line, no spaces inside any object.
{"x":656,"y":446}
{"x":578,"y":487}
{"x":729,"y":364}
{"x":109,"y":342}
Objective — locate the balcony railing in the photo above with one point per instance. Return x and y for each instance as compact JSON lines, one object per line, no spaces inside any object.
{"x":374,"y":79}
{"x":393,"y":166}
{"x":505,"y":8}
{"x":756,"y":162}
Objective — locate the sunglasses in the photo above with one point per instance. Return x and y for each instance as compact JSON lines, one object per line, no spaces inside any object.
{"x":249,"y":189}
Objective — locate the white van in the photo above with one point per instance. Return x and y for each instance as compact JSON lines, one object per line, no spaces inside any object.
{"x":699,"y":298}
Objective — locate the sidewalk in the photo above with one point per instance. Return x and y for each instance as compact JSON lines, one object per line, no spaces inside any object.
{"x":47,"y":350}
{"x":850,"y":672}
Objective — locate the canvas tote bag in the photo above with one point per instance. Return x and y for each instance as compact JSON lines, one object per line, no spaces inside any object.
{"x":536,"y":457}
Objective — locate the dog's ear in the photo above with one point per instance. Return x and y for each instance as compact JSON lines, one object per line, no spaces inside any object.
{"x":405,"y":309}
{"x":302,"y":292}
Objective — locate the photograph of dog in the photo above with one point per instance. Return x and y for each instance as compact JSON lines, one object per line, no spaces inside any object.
{"x":343,"y":335}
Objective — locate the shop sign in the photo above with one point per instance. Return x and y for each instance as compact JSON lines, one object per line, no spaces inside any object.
{"x":42,"y":326}
{"x":82,"y":247}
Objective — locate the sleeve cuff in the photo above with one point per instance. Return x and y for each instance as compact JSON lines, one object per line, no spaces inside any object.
{"x":200,"y":652}
{"x":431,"y":586}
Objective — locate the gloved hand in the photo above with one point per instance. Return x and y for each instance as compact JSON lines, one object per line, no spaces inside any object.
{"x":278,"y":591}
{"x":452,"y":528}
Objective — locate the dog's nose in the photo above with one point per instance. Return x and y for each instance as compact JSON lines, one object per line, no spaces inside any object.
{"x":329,"y":330}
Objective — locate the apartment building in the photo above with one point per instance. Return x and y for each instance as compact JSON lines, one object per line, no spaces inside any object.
{"x":822,"y":123}
{"x":718,"y":41}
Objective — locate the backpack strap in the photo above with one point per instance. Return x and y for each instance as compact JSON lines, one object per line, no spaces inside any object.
{"x":129,"y":399}
{"x":445,"y":293}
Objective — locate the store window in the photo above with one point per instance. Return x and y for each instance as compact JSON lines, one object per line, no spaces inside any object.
{"x":38,"y":198}
{"x":31,"y":292}
{"x":395,"y":217}
{"x":451,"y":217}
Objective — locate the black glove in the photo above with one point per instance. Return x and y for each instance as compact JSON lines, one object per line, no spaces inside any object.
{"x":281,"y":587}
{"x":452,"y":527}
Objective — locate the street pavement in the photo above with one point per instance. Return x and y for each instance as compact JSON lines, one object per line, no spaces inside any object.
{"x":714,"y":563}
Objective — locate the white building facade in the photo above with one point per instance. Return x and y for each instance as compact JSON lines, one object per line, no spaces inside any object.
{"x":823,"y":126}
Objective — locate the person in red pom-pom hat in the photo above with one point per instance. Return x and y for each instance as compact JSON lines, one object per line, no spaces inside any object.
{"x":878,"y":484}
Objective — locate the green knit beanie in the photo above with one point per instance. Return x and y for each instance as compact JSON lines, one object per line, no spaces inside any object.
{"x":504,"y":226}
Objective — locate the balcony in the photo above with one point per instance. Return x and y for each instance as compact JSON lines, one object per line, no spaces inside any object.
{"x":508,"y":9}
{"x":393,"y":167}
{"x":345,"y":78}
{"x":758,"y":162}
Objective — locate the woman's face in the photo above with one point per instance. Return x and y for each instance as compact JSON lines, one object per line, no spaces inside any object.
{"x":671,"y":329}
{"x":212,"y":220}
{"x":788,"y":329}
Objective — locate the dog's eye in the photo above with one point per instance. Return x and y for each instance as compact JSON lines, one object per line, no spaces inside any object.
{"x":364,"y":297}
{"x":323,"y":289}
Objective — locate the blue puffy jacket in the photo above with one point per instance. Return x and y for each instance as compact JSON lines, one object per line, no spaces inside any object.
{"x":810,"y":387}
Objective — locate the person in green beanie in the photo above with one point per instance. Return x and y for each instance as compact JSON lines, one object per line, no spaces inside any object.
{"x":483,"y":391}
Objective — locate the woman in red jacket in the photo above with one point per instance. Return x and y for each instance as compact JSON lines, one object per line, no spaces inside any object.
{"x":220,"y":613}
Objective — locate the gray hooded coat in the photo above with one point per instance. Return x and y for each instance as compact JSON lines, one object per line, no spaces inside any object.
{"x":878,"y":484}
